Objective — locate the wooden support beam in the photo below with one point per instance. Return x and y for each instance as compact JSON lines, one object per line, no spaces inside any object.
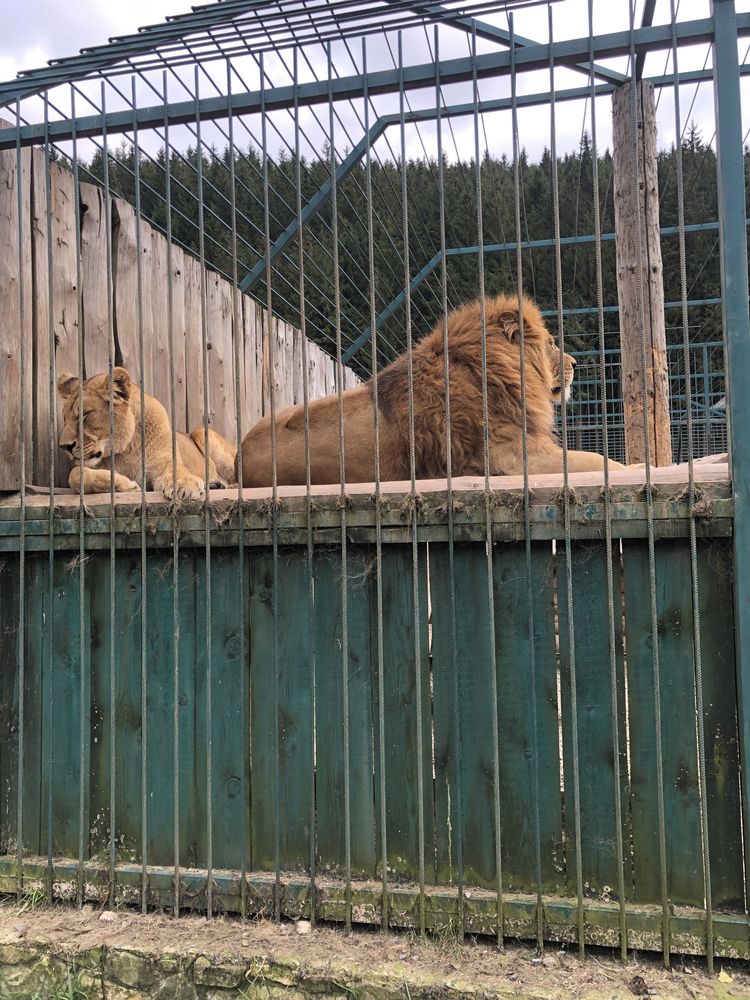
{"x":640,"y":288}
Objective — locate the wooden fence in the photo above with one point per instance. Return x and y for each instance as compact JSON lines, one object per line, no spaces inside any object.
{"x":51,"y":308}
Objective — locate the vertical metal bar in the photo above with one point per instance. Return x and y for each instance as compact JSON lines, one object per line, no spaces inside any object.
{"x":614,"y":685}
{"x":175,"y":521}
{"x":488,"y":542}
{"x":527,"y":534}
{"x":144,"y":484}
{"x":238,"y":336}
{"x":21,"y":640}
{"x":664,"y":889}
{"x":52,"y":430}
{"x":414,"y":498}
{"x":82,"y":650}
{"x":457,"y":758}
{"x":566,"y":495}
{"x":342,"y":494}
{"x":112,"y":563}
{"x":309,"y":506}
{"x":697,"y":649}
{"x":736,"y":325}
{"x":206,"y":516}
{"x":706,"y":390}
{"x":384,"y":910}
{"x":274,"y":504}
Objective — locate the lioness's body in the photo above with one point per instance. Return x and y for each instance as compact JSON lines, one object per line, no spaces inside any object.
{"x":187,"y":482}
{"x":542,"y":382}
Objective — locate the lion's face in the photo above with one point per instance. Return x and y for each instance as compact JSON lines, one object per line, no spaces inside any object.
{"x":560,"y":393}
{"x":94,"y":398}
{"x":541,"y":349}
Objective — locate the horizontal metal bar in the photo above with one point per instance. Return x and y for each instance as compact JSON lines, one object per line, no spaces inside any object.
{"x":594,"y":310}
{"x":383,"y":81}
{"x":601,"y":923}
{"x":430,"y":266}
{"x":492,"y":33}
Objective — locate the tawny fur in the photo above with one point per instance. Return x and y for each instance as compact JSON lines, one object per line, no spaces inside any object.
{"x":503,"y":344}
{"x":128,"y":414}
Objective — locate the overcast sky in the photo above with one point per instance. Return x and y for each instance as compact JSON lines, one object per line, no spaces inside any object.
{"x":34,"y":31}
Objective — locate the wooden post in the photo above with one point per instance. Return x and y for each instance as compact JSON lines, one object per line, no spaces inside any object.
{"x":638,"y":235}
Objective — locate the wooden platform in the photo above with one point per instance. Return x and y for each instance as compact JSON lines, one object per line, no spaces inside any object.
{"x":158,"y":519}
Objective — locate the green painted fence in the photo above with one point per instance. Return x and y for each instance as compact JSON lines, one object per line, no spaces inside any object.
{"x":285,"y":734}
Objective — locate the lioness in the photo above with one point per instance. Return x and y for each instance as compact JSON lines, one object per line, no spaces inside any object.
{"x":128,"y":414}
{"x":543,"y":389}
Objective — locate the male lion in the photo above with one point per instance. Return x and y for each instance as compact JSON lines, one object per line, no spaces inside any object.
{"x":128,"y":415}
{"x":503,"y":338}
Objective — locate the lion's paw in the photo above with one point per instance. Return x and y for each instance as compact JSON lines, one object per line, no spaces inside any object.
{"x":125,"y":485}
{"x":187,"y":487}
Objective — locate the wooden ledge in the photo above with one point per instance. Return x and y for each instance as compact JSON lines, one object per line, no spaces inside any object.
{"x":624,"y":483}
{"x":249,"y":515}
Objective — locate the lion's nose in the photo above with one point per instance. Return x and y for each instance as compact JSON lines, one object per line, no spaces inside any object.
{"x":68,"y":447}
{"x":573,"y":362}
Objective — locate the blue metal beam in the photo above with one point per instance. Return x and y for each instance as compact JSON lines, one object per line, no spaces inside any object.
{"x":356,"y":154}
{"x":263,"y":18}
{"x":736,"y":322}
{"x":491,"y":33}
{"x":317,"y":201}
{"x":565,"y":52}
{"x":648,"y":17}
{"x":430,"y":266}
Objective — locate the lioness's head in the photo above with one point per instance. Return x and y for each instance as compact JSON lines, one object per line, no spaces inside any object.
{"x":94,"y":397}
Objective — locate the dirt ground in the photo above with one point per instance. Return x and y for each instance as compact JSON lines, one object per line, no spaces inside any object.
{"x":472,"y":968}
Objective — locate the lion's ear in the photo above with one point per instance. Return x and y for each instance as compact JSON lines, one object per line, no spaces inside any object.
{"x":508,"y":321}
{"x":67,"y":385}
{"x":121,"y":383}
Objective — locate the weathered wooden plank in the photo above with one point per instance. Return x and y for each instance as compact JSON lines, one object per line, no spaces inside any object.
{"x":133,"y":308}
{"x":159,"y":331}
{"x":193,"y":342}
{"x":331,"y":753}
{"x":15,"y":316}
{"x":62,"y":752}
{"x":125,"y":727}
{"x":312,"y":370}
{"x":9,"y":688}
{"x":277,"y":360}
{"x":128,"y":722}
{"x":296,"y":372}
{"x":295,"y":712}
{"x":99,"y":583}
{"x":601,"y":920}
{"x":462,"y":709}
{"x":716,"y":608}
{"x":222,"y":627}
{"x":160,"y":708}
{"x":601,"y":776}
{"x":677,"y":707}
{"x":98,"y":332}
{"x":219,"y":320}
{"x":281,"y":373}
{"x":519,"y":742}
{"x":177,"y":279}
{"x":33,"y":723}
{"x":55,"y":303}
{"x":36,"y":611}
{"x":403,"y":757}
{"x":252,"y":374}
